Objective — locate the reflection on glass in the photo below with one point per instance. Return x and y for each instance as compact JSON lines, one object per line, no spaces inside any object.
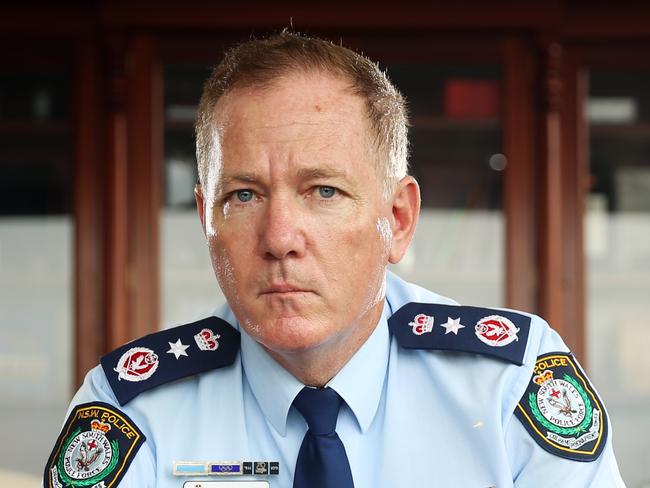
{"x":617,"y":246}
{"x":183,"y":85}
{"x":189,"y":288}
{"x":456,"y":157}
{"x":35,"y":142}
{"x":35,"y":267}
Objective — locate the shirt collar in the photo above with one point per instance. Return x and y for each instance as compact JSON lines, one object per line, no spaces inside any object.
{"x":273,"y":386}
{"x":360,"y":381}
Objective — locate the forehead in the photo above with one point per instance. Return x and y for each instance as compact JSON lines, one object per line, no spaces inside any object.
{"x":292,"y":108}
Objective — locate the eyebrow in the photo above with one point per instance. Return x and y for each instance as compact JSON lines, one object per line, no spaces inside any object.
{"x":303,"y":174}
{"x":243,"y":177}
{"x":321,"y":172}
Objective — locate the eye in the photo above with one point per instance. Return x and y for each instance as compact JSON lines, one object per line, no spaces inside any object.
{"x":244,"y":195}
{"x":326,"y":191}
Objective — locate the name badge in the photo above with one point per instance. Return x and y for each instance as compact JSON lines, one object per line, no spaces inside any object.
{"x":226,"y":484}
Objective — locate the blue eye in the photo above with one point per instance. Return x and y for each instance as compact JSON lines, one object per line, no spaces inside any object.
{"x":326,"y":191}
{"x":244,"y":195}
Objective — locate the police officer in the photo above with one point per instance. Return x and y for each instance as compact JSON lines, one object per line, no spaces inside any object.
{"x":324,"y":369}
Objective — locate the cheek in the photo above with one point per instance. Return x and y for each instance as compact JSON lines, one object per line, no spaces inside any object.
{"x":370,"y":240}
{"x":221,"y":262}
{"x":359,"y":250}
{"x":385,"y":232}
{"x":364,"y":266}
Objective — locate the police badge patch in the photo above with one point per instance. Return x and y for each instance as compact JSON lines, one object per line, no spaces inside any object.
{"x":95,"y":447}
{"x":561,"y":410}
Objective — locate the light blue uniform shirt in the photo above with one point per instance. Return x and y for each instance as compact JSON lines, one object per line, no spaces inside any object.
{"x":411,"y":418}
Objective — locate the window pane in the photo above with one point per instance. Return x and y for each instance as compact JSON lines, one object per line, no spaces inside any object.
{"x":36,"y":251}
{"x":456,"y":157}
{"x":617,"y":246}
{"x":189,"y":288}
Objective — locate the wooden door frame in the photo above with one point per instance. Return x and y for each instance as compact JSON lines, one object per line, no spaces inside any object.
{"x":580,"y":57}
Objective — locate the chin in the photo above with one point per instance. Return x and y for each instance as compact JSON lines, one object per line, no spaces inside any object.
{"x":290,"y":334}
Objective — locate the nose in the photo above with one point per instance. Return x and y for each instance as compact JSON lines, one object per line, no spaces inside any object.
{"x":282,"y":230}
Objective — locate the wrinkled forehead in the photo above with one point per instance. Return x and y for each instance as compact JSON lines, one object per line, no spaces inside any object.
{"x":319,"y":109}
{"x":287,"y":98}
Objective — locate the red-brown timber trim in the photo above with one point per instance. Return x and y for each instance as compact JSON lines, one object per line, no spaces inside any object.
{"x":144,"y":183}
{"x":88,"y":196}
{"x":574,"y":180}
{"x":519,"y":190}
{"x":116,"y":256}
{"x":551,"y":289}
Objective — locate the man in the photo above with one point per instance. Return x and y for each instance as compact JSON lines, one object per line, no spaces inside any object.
{"x":323,"y":369}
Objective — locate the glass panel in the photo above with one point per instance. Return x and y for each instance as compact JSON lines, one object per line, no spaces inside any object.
{"x":456,"y":157}
{"x":617,"y":246}
{"x":36,"y":252}
{"x":189,"y":288}
{"x":455,"y":145}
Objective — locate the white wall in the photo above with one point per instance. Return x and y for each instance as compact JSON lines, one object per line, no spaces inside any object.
{"x":35,"y":339}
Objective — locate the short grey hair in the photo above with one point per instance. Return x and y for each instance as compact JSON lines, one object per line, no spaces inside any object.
{"x":260,"y":62}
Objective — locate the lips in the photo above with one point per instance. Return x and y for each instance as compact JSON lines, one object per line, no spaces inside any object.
{"x":283,"y":288}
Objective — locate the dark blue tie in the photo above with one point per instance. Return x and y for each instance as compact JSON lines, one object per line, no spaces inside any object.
{"x":322,"y":461}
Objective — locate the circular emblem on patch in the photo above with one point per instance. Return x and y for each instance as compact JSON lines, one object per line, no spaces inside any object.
{"x":496,"y":331}
{"x":88,"y":454}
{"x":561,"y":403}
{"x":561,"y":411}
{"x":137,"y":364}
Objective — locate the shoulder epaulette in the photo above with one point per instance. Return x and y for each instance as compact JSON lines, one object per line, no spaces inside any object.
{"x":498,"y":333}
{"x":170,"y":354}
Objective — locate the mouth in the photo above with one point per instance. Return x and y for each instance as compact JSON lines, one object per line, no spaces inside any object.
{"x":283,"y":290}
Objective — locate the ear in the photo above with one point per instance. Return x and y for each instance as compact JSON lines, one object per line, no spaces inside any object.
{"x":406,"y":210}
{"x":200,"y":205}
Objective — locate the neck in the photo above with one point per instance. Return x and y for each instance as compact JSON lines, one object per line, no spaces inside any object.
{"x":318,"y":365}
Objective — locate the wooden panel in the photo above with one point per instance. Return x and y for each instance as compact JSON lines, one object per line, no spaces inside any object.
{"x":116,"y":256}
{"x":574,"y":186}
{"x":46,"y":20}
{"x":619,"y":55}
{"x":145,"y":135}
{"x":612,"y":20}
{"x":380,"y":45}
{"x":614,"y":55}
{"x":561,"y":174}
{"x":519,"y":190}
{"x":410,"y":14}
{"x":551,"y":289}
{"x":88,"y":210}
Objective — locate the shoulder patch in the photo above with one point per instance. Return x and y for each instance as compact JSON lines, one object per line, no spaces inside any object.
{"x":169,"y":355}
{"x":561,"y":410}
{"x":95,"y":448}
{"x":498,"y":333}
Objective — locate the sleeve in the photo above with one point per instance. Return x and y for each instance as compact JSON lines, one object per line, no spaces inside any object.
{"x":99,"y":444}
{"x":560,"y":434}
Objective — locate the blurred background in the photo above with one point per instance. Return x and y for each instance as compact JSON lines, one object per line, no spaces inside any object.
{"x":530,"y":138}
